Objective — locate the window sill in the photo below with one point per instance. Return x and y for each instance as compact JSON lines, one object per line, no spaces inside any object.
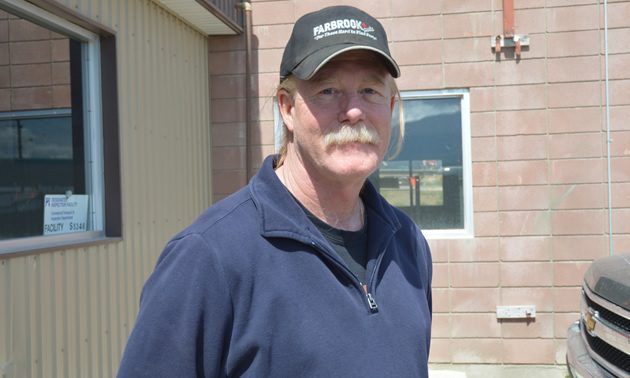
{"x":45,"y":244}
{"x":448,"y":234}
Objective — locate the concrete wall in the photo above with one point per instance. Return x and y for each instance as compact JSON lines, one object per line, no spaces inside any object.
{"x":539,"y":154}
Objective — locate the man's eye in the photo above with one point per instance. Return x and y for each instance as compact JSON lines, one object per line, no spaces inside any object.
{"x":369,"y":91}
{"x":328,"y":91}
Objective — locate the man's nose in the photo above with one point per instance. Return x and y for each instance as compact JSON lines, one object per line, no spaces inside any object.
{"x":351,"y":109}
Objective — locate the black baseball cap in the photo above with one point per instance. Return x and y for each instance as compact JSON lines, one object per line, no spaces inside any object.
{"x":319,"y":36}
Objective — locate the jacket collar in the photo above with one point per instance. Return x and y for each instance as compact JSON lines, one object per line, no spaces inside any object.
{"x":280,"y":216}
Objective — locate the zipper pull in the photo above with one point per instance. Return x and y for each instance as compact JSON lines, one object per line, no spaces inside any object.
{"x":372,"y":302}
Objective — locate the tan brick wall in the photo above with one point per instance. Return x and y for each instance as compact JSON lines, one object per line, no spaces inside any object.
{"x":34,"y":66}
{"x":538,"y":148}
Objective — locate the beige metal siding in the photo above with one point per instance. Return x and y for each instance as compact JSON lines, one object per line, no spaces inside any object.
{"x":69,"y":313}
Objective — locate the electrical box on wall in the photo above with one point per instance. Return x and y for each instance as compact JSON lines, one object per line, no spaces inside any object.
{"x":516,"y":312}
{"x":503,"y":41}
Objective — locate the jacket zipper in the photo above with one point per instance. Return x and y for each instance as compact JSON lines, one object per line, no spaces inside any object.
{"x":371,"y":303}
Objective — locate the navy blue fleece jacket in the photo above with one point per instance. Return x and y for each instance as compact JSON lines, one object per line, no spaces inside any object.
{"x":253,"y":289}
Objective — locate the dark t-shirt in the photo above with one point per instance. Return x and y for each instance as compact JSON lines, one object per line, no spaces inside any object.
{"x":350,"y":245}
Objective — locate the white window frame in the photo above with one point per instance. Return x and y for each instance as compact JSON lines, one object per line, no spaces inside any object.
{"x":464,"y":96}
{"x":93,"y":129}
{"x":278,"y":126}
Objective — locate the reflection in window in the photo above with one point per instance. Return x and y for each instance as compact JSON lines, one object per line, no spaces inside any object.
{"x":36,"y":158}
{"x":426,"y":180}
{"x":412,"y":183}
{"x":41,"y":124}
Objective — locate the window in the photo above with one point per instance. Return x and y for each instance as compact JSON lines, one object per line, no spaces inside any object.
{"x":430,"y":179}
{"x":60,"y":182}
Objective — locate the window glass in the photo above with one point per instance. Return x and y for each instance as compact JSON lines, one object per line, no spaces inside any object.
{"x":429,"y":178}
{"x":37,"y":157}
{"x":50,"y":148}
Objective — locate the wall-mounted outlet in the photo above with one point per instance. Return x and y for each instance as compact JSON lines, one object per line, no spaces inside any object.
{"x":516,"y":312}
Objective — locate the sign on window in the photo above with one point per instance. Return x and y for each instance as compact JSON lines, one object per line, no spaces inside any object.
{"x":63,"y":214}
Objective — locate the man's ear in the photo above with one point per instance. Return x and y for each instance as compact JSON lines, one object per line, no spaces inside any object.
{"x":286,"y":104}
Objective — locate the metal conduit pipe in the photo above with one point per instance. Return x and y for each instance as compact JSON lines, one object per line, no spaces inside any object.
{"x":608,"y":140}
{"x":247,"y":8}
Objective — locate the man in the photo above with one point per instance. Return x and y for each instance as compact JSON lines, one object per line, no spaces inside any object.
{"x":307,"y":271}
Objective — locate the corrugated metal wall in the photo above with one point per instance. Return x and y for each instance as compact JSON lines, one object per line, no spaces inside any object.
{"x":69,"y":313}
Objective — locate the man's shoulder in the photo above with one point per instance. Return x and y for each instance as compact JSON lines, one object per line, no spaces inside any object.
{"x":238,"y":211}
{"x":229,"y":212}
{"x":211,"y":237}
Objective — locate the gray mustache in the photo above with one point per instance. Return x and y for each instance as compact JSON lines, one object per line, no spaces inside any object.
{"x":358,"y":133}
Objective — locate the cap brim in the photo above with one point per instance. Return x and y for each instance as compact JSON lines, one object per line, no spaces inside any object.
{"x":314,"y":62}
